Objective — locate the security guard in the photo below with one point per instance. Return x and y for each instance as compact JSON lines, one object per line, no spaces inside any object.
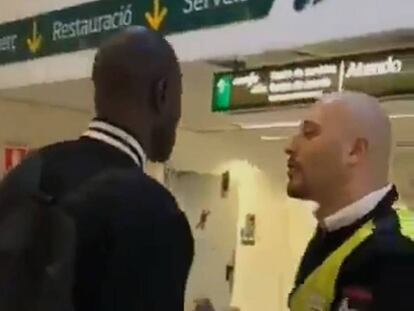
{"x":134,"y":247}
{"x":361,"y":256}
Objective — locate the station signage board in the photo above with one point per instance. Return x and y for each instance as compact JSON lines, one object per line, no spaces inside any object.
{"x":86,"y":25}
{"x":378,"y":74}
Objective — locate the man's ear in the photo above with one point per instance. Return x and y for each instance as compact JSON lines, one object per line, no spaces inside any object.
{"x":359,"y":149}
{"x":160,"y":95}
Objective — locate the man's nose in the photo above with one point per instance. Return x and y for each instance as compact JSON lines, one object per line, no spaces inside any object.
{"x":289,"y":149}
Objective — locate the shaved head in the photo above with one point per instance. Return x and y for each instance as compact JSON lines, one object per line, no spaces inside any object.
{"x":129,"y":61}
{"x":363,"y":118}
{"x":344,"y":144}
{"x":137,"y":82}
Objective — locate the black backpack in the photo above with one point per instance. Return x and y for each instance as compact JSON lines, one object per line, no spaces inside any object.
{"x":37,"y":243}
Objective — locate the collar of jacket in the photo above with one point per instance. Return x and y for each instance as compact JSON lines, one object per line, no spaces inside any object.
{"x":118,"y":138}
{"x":350,"y":214}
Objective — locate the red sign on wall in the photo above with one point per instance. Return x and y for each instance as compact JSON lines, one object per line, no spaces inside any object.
{"x":13,"y":156}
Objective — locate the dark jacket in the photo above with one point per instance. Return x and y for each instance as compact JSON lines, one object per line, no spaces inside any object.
{"x":134,"y":247}
{"x":379,"y":273}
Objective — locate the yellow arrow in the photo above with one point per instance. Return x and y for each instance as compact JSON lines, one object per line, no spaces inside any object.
{"x":156,"y":18}
{"x":35,"y":42}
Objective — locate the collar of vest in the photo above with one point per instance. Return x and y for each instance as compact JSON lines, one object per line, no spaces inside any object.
{"x":117,"y":138}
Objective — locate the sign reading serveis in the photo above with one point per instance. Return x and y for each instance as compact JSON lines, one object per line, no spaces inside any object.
{"x":379,"y":74}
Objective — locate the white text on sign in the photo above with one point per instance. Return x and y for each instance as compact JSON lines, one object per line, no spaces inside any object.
{"x":8,"y":43}
{"x":192,"y":6}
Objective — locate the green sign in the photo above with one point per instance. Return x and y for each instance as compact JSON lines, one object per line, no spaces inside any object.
{"x":379,"y":74}
{"x":85,"y":26}
{"x":222,"y":92}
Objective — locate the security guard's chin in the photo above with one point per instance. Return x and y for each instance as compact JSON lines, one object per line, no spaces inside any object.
{"x":296,"y":192}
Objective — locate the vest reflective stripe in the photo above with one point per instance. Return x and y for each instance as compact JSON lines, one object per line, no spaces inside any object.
{"x":406,"y":218}
{"x":317,"y":293}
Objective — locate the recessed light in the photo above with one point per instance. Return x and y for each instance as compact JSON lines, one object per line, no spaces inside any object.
{"x":266,"y":125}
{"x":401,"y":116}
{"x":274,"y":138}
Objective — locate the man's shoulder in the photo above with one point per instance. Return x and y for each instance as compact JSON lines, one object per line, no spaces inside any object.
{"x":77,"y":143}
{"x":128,"y":188}
{"x":59,"y":146}
{"x":394,"y":234}
{"x":392,"y":238}
{"x":386,"y":247}
{"x":59,"y":151}
{"x":140,"y":186}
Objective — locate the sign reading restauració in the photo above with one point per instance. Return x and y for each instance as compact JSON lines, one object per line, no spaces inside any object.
{"x":380,"y":74}
{"x":86,"y":25}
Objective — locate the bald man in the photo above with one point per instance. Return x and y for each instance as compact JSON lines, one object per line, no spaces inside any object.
{"x":133,"y":246}
{"x":361,"y":256}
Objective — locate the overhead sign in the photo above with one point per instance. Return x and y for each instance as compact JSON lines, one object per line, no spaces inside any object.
{"x":86,"y":25}
{"x":300,"y":5}
{"x":275,"y":86}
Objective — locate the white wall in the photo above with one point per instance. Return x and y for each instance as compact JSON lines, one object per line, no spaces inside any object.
{"x":36,"y":125}
{"x":264,"y":272}
{"x":215,"y":243}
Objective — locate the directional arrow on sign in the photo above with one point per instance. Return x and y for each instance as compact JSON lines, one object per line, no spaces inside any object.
{"x":221,"y":85}
{"x":222,"y":95}
{"x":35,"y":42}
{"x":158,"y":15}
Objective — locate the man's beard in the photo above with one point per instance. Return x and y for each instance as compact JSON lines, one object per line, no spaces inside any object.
{"x":297,"y":191}
{"x":294,"y":193}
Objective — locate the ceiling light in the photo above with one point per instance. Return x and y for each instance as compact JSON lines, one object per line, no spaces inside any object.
{"x":401,"y":116}
{"x":274,"y":138}
{"x":266,"y":125}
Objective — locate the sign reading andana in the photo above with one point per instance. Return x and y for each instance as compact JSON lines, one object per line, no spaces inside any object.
{"x":85,"y":26}
{"x":260,"y":88}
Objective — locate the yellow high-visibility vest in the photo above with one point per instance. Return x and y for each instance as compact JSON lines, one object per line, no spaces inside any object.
{"x":317,"y":293}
